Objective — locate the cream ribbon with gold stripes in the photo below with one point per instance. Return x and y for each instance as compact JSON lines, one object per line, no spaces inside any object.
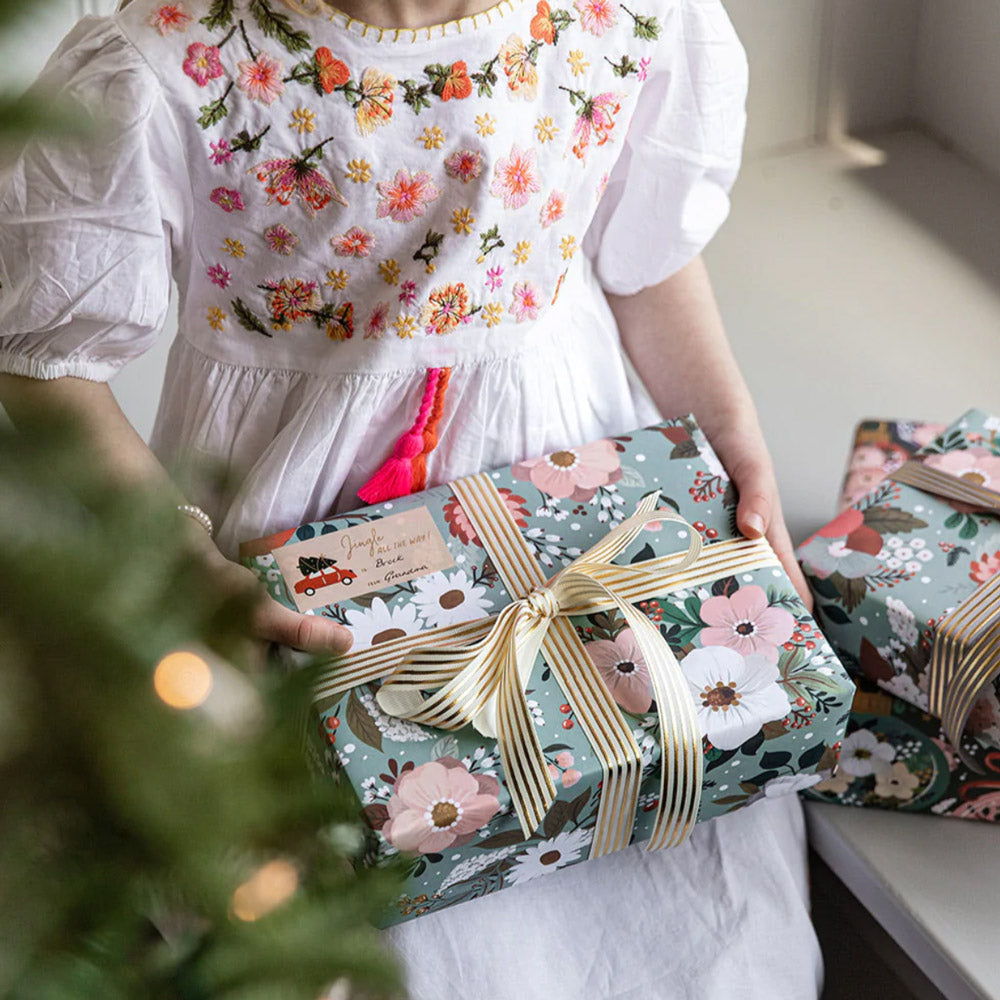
{"x":965,"y":659}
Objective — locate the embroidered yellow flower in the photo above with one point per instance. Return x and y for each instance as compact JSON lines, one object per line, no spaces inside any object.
{"x":486,"y":124}
{"x":545,"y":128}
{"x":303,"y":120}
{"x":234,"y":248}
{"x":216,"y":318}
{"x":462,"y":220}
{"x":389,"y":270}
{"x":492,"y":313}
{"x":405,"y":326}
{"x":359,"y":171}
{"x":431,"y":137}
{"x":576,"y":62}
{"x":337,"y":279}
{"x":522,"y":251}
{"x":568,"y":246}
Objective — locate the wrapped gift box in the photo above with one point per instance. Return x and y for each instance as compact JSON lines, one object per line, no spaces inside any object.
{"x":897,"y":757}
{"x":771,"y":697}
{"x":891,"y":568}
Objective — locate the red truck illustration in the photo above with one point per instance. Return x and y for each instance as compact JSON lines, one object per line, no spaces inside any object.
{"x":324,"y":578}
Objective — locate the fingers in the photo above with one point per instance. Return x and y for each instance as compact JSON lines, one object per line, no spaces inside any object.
{"x":275,"y":623}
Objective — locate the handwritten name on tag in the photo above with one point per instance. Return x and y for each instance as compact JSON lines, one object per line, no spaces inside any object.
{"x":366,"y":558}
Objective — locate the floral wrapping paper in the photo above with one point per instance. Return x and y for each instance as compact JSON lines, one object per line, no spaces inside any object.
{"x":771,"y":695}
{"x":895,"y":755}
{"x":889,"y":569}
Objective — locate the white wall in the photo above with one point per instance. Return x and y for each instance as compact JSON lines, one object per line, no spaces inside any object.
{"x":957,"y":89}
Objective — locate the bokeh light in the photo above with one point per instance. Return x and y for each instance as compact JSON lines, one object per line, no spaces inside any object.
{"x":271,"y":885}
{"x":183,"y":679}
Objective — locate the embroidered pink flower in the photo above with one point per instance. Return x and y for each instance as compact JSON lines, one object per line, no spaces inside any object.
{"x":260,"y":78}
{"x":202,"y":63}
{"x":220,"y":276}
{"x":280,"y":239}
{"x":290,"y":177}
{"x":602,"y":185}
{"x":595,"y":121}
{"x":573,"y":473}
{"x":447,"y":306}
{"x":643,"y":69}
{"x":356,"y":242}
{"x":977,"y":466}
{"x":227,"y":199}
{"x":439,"y":805}
{"x":465,"y":165}
{"x":553,"y":209}
{"x":291,"y":300}
{"x":623,"y":670}
{"x":494,"y":278}
{"x":377,"y":321}
{"x":406,"y":196}
{"x":525,"y":301}
{"x":221,"y":153}
{"x":408,"y":293}
{"x":461,"y":527}
{"x":515,"y":177}
{"x":747,"y":623}
{"x":596,"y":16}
{"x":170,"y":17}
{"x":985,"y":568}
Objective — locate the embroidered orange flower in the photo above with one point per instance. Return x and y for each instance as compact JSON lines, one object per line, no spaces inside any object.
{"x":374,"y":102}
{"x":340,"y":325}
{"x":457,"y":84}
{"x":170,"y":17}
{"x":356,"y":242}
{"x":519,"y":67}
{"x":261,"y":78}
{"x":515,"y":177}
{"x":447,"y":306}
{"x":330,"y":72}
{"x":595,"y":121}
{"x":405,"y":197}
{"x":542,"y":26}
{"x":290,"y":301}
{"x":553,"y":209}
{"x":596,"y":16}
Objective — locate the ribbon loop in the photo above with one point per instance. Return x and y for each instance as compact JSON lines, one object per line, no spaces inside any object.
{"x":542,"y":603}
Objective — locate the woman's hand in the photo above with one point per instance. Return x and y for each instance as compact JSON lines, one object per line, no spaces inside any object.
{"x":674,"y":336}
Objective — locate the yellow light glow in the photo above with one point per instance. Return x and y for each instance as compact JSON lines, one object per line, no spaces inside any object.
{"x":271,"y":885}
{"x":183,"y":679}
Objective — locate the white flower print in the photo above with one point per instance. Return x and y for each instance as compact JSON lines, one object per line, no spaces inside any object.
{"x":735,"y":694}
{"x":449,"y":599}
{"x":540,"y":859}
{"x":381,"y":623}
{"x":863,"y":754}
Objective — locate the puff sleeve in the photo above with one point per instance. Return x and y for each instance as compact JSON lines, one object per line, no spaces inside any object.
{"x":87,"y":223}
{"x":668,"y":192}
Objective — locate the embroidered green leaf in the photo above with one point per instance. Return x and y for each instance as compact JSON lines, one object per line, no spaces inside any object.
{"x":220,"y":14}
{"x":246,"y":317}
{"x":624,"y":68}
{"x":278,"y":26}
{"x":489,"y":241}
{"x":645,"y":26}
{"x":244,"y":142}
{"x":212,"y":114}
{"x":415,"y":95}
{"x":485,"y":79}
{"x":361,"y":723}
{"x":430,"y":248}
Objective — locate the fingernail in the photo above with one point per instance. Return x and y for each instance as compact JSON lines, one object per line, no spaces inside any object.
{"x":755,"y":522}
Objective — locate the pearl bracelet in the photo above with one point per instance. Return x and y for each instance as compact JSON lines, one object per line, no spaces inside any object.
{"x":199,"y":515}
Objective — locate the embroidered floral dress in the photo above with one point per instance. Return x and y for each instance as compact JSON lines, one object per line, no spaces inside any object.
{"x":344,"y":208}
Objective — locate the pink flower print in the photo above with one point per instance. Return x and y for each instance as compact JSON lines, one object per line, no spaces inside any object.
{"x":465,"y":165}
{"x":405,"y":197}
{"x":288,"y":177}
{"x":553,"y":209}
{"x":280,"y":239}
{"x":221,"y":153}
{"x":170,"y":17}
{"x":356,"y":242}
{"x":565,"y":759}
{"x":220,"y":276}
{"x":202,"y":63}
{"x":846,"y":546}
{"x":643,"y":68}
{"x":260,"y":78}
{"x":623,"y":669}
{"x":985,"y":568}
{"x":439,"y":805}
{"x":525,"y":301}
{"x":747,"y":623}
{"x":461,"y":527}
{"x":573,"y":473}
{"x":978,"y":466}
{"x":377,"y":321}
{"x":596,"y":16}
{"x":227,"y":199}
{"x":515,"y":177}
{"x":494,"y":278}
{"x":408,"y":293}
{"x":985,"y":807}
{"x":570,"y":777}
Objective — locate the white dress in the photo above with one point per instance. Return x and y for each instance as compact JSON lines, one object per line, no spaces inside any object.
{"x":343,"y":208}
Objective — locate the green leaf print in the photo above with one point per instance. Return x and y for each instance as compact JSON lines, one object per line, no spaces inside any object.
{"x":892,"y":520}
{"x":361,"y":723}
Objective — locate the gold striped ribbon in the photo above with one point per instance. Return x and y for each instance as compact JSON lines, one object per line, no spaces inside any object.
{"x":483,"y":682}
{"x":965,"y":659}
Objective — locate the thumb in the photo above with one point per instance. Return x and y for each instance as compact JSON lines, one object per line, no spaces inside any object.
{"x":311,"y":634}
{"x":756,"y":508}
